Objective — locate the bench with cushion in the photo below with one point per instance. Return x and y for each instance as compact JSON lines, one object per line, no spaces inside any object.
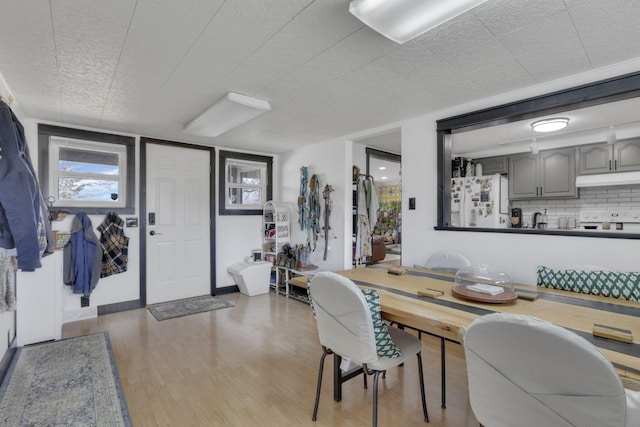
{"x":596,"y":282}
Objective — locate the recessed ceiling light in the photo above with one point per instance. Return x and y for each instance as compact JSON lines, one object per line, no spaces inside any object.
{"x":382,"y":168}
{"x":383,"y":177}
{"x":550,"y":125}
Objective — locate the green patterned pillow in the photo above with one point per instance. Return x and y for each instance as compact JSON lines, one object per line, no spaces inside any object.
{"x":385,"y":347}
{"x":313,"y":309}
{"x":596,"y":282}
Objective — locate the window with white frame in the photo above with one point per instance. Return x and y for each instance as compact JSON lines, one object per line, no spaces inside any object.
{"x":245,"y":183}
{"x":86,"y":171}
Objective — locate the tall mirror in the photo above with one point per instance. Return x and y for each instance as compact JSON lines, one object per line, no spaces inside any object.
{"x":385,"y":168}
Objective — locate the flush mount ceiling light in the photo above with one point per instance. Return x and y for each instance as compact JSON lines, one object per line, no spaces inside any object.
{"x":228,"y":113}
{"x":403,"y":20}
{"x":550,"y":125}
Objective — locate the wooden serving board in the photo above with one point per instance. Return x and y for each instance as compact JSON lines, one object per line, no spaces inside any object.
{"x":506,"y":297}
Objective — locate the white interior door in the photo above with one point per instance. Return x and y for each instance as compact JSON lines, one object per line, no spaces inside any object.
{"x":178,"y":222}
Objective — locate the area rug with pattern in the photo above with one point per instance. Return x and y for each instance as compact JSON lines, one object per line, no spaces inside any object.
{"x":185,"y":307}
{"x":71,"y":382}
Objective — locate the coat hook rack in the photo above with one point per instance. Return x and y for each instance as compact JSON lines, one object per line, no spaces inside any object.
{"x":55,"y":215}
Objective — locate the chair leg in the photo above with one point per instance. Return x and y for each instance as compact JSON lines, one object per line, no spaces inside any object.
{"x":443,"y":372}
{"x":319,"y":386}
{"x":422,"y":393}
{"x":374,"y":421}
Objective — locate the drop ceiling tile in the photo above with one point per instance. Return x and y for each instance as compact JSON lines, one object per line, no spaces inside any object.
{"x":498,"y":77}
{"x":116,"y":12}
{"x":609,"y":31}
{"x":26,"y":26}
{"x":196,"y":11}
{"x":84,"y":35}
{"x":153,"y":19}
{"x":502,"y":17}
{"x":409,"y":58}
{"x":226,"y":46}
{"x":481,"y":56}
{"x":317,"y":27}
{"x":548,"y":50}
{"x":349,"y":54}
{"x":459,"y":35}
{"x":369,"y":75}
{"x":406,"y":98}
{"x":148,"y":62}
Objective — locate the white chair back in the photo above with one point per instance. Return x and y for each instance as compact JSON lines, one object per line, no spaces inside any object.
{"x":447,"y":261}
{"x":528,"y":372}
{"x":343,"y":317}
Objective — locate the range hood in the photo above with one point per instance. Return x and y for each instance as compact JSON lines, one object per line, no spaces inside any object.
{"x":608,"y":179}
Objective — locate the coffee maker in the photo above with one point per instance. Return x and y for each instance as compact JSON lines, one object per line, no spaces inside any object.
{"x":516,"y":218}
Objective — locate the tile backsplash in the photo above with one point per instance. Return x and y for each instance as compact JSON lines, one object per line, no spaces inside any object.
{"x":602,"y":198}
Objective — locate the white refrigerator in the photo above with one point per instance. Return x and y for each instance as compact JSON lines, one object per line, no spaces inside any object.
{"x":480,"y":201}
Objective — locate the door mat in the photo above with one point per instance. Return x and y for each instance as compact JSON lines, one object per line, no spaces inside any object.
{"x":185,"y":307}
{"x":72,"y":382}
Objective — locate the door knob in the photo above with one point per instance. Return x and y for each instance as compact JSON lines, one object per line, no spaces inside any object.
{"x":153,"y":233}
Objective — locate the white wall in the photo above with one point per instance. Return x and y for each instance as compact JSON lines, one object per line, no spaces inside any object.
{"x":109,"y":290}
{"x":237,"y":235}
{"x":332,"y":161}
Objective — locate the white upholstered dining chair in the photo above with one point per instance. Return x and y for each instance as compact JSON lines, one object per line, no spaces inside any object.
{"x":346,"y":328}
{"x":524,"y":372}
{"x":447,"y":261}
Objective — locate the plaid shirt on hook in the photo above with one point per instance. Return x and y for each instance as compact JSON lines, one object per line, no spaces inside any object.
{"x":114,"y":245}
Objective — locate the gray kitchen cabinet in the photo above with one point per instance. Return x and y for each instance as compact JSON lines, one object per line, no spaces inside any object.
{"x":493,"y":165}
{"x":595,"y":158}
{"x":626,"y":155}
{"x":524,"y":174}
{"x":548,"y":174}
{"x":623,"y":156}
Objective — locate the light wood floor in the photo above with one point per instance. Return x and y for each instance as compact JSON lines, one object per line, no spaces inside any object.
{"x":256,"y":364}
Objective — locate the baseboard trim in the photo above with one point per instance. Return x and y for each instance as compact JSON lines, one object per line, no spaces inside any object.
{"x":227,"y":290}
{"x":119,"y":306}
{"x":6,"y":361}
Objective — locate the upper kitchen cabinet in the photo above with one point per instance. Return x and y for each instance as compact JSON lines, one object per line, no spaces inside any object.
{"x":493,"y":165}
{"x":548,"y":174}
{"x":524,"y":176}
{"x":623,"y":156}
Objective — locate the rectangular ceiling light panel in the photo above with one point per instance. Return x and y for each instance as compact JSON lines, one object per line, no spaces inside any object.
{"x":403,"y":20}
{"x":230,"y":112}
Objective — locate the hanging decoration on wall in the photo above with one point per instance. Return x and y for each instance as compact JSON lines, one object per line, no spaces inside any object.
{"x":309,"y":207}
{"x":326,"y":195}
{"x":313,"y":220}
{"x":302,"y":198}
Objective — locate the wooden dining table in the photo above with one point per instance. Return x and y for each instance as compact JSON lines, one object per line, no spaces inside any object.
{"x":446,"y":316}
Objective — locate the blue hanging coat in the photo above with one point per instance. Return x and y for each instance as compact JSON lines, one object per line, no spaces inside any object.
{"x":23,"y":224}
{"x":82,"y":256}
